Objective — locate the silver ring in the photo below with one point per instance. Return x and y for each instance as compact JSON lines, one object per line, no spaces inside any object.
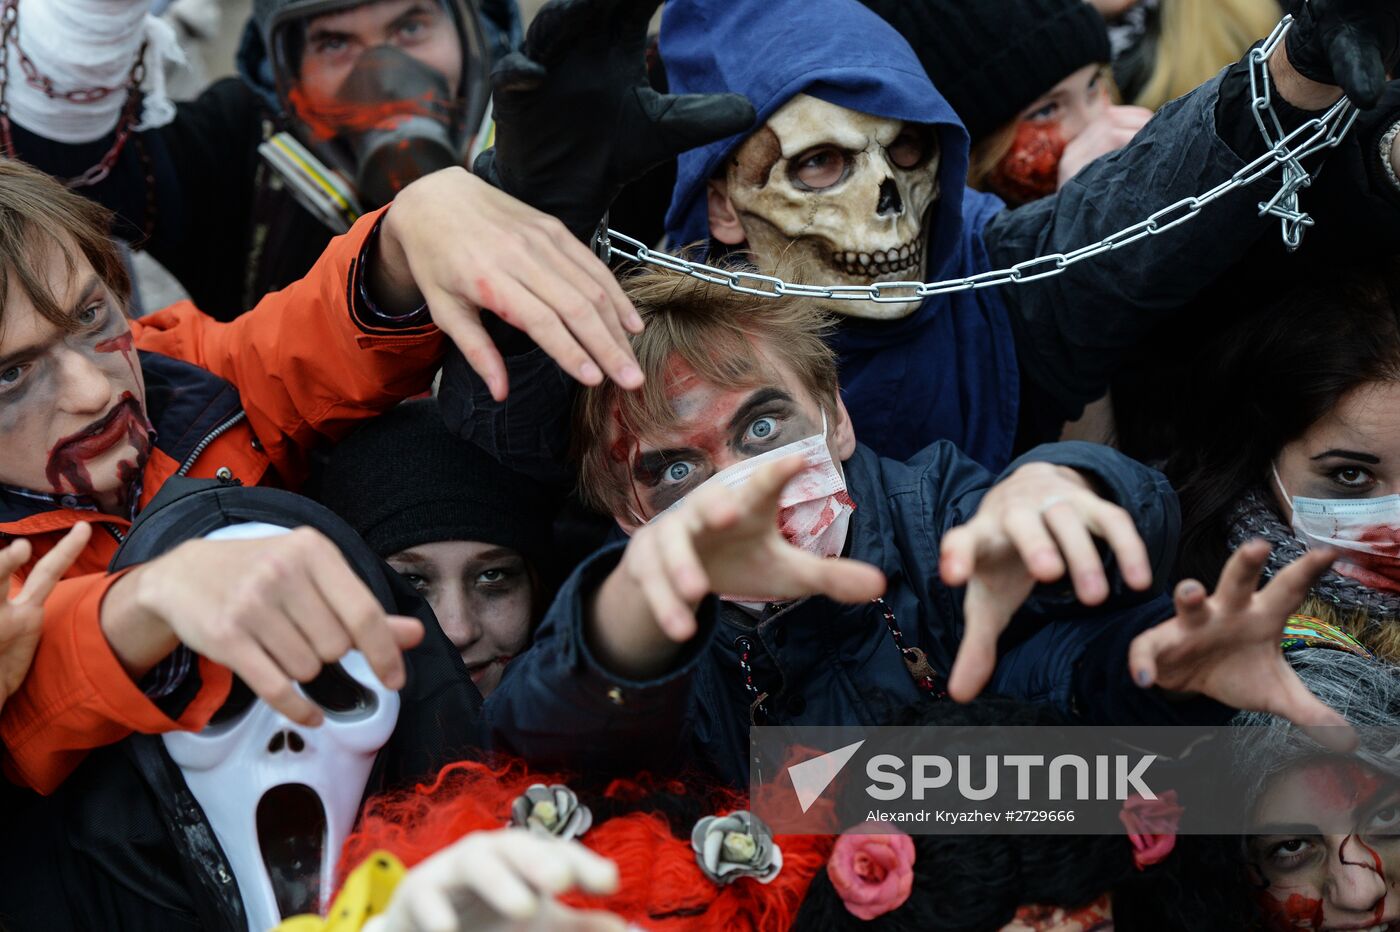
{"x":1050,"y":502}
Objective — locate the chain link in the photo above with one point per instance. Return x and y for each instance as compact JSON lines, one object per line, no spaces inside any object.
{"x":1286,"y":149}
{"x":9,"y":33}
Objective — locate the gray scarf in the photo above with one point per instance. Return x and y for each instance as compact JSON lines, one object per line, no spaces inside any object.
{"x":1254,"y":515}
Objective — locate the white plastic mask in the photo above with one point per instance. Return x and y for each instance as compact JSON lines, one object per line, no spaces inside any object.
{"x":863,"y":221}
{"x":1366,"y":532}
{"x":281,"y":797}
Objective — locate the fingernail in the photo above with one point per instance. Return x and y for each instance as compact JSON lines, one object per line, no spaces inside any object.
{"x":1190,"y":589}
{"x":1144,"y":679}
{"x":630,"y":376}
{"x":590,"y":373}
{"x":635,"y":321}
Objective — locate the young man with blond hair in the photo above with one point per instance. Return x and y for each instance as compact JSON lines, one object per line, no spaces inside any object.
{"x":780,"y":572}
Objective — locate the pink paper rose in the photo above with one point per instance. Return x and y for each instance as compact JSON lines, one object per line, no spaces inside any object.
{"x":1151,"y":825}
{"x":872,"y":874}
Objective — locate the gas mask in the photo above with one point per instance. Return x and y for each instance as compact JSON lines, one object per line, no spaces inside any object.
{"x":368,"y":108}
{"x":280,"y":797}
{"x":836,"y":195}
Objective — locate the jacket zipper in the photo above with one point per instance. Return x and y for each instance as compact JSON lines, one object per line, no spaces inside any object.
{"x":203,"y":445}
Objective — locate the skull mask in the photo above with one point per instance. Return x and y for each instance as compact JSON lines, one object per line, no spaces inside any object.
{"x":838,"y":196}
{"x":281,"y":797}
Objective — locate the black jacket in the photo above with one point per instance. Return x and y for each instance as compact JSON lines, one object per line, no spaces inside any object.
{"x":123,"y":844}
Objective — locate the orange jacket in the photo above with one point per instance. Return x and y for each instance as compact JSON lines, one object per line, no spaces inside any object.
{"x":249,"y":400}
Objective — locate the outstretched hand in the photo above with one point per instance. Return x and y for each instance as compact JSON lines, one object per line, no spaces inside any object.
{"x":1029,"y":528}
{"x":500,"y":880}
{"x":576,"y":119}
{"x":1352,"y":44}
{"x":22,"y":615}
{"x":455,"y":242}
{"x":1227,"y":645}
{"x":720,"y":540}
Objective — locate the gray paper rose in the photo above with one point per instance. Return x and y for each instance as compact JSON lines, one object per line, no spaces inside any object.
{"x":551,"y":810}
{"x":734,"y":846}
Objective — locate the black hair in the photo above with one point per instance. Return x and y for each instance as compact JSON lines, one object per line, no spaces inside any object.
{"x":1258,"y":384}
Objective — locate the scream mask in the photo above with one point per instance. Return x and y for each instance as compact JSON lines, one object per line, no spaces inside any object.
{"x":280,"y":797}
{"x":837,"y":196}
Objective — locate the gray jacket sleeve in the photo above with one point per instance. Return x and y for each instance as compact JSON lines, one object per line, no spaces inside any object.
{"x":1073,"y":330}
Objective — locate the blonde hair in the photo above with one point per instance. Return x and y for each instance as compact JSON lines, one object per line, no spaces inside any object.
{"x":726,"y":338}
{"x":1381,"y":638}
{"x":1199,"y":37}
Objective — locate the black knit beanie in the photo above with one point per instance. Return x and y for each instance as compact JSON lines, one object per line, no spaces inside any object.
{"x":402,"y":480}
{"x":992,"y":58}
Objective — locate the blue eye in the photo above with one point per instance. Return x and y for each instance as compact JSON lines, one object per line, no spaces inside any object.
{"x":763,"y":428}
{"x":11,"y":375}
{"x":677,"y":472}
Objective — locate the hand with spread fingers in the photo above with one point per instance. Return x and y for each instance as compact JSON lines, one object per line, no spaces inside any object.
{"x":273,"y":610}
{"x":1033,"y":527}
{"x":455,"y":242}
{"x":719,"y":540}
{"x":1227,"y":645}
{"x":576,"y":119}
{"x":501,"y":880}
{"x":22,"y":614}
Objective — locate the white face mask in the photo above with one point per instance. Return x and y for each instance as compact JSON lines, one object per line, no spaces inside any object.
{"x":814,"y":509}
{"x":281,"y":797}
{"x":1365,"y":530}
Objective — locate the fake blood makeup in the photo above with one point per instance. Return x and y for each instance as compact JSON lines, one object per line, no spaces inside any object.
{"x":68,"y":461}
{"x":1031,"y":170}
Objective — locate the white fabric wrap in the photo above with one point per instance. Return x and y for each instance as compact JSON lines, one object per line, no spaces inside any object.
{"x":89,"y":43}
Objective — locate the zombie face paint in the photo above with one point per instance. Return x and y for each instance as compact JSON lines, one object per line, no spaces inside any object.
{"x":72,"y":403}
{"x":1096,"y":917}
{"x":1326,"y":855}
{"x":1350,"y":459}
{"x":482,"y":597}
{"x":718,"y":427}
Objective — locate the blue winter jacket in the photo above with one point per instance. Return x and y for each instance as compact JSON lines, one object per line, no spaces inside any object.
{"x":820,"y":662}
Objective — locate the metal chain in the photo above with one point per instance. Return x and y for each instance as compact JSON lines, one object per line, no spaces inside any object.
{"x":9,"y":33}
{"x":1287,"y":149}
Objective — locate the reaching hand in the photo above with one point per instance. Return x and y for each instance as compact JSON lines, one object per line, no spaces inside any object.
{"x":1026,"y":530}
{"x":1227,"y":646}
{"x":720,"y":540}
{"x":22,"y":615}
{"x":501,"y":880}
{"x":1109,"y":133}
{"x":576,"y":119}
{"x":273,"y":610}
{"x":1352,"y":44}
{"x":461,"y":245}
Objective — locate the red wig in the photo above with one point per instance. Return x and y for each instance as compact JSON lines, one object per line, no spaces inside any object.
{"x":635,"y":824}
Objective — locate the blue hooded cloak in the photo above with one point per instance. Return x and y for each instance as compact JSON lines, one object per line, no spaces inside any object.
{"x":947,"y":371}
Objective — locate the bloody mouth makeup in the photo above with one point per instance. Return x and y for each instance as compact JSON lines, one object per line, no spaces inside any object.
{"x":70,"y":459}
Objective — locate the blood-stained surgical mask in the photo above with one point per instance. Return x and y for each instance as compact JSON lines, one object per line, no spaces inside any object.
{"x":1365,"y":531}
{"x":814,"y":510}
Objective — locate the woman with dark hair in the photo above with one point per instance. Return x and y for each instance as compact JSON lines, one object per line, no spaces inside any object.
{"x":1289,"y":430}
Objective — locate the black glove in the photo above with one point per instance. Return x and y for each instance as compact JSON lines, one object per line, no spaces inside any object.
{"x":1353,"y":44}
{"x":576,"y":120}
